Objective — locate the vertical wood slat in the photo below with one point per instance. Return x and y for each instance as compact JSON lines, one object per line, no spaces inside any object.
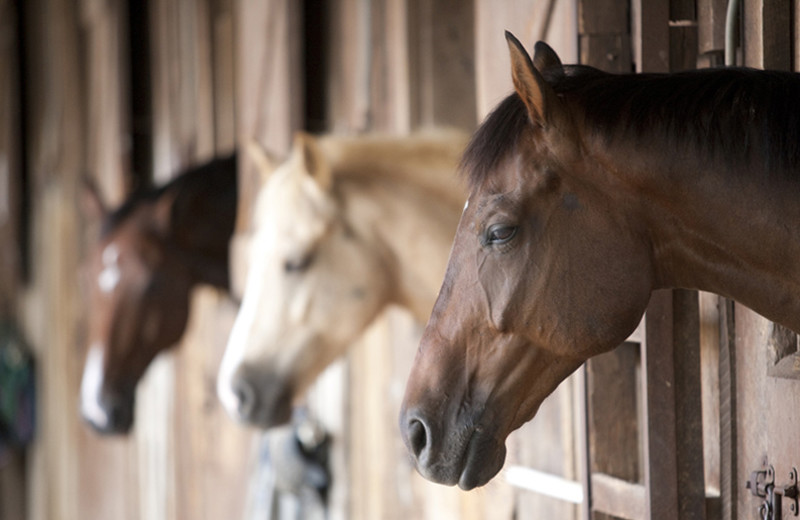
{"x":13,"y":486}
{"x":10,"y":165}
{"x":603,"y":30}
{"x":711,"y":25}
{"x":650,"y":27}
{"x":269,"y":83}
{"x":766,"y":39}
{"x":727,"y":409}
{"x":55,"y":156}
{"x":673,"y":421}
{"x":443,"y":41}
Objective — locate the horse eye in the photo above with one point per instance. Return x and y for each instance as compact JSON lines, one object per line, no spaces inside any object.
{"x":500,"y":234}
{"x":298,"y":265}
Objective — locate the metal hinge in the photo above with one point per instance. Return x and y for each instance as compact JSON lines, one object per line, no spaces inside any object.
{"x":762,"y":484}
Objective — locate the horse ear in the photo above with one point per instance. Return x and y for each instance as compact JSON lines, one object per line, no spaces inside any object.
{"x":308,"y":157}
{"x":538,"y":96}
{"x":162,"y":214}
{"x":92,"y":206}
{"x":546,"y":59}
{"x":264,"y":161}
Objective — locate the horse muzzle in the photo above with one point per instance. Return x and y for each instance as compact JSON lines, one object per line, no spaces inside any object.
{"x":110,"y":414}
{"x":256,"y":398}
{"x":466,"y":455}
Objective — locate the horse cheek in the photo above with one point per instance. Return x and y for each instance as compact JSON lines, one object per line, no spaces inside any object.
{"x":497,"y":286}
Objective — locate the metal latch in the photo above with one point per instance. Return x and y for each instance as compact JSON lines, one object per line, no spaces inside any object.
{"x":762,"y":484}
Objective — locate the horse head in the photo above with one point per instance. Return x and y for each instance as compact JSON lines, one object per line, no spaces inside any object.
{"x":138,"y":297}
{"x":545,"y":271}
{"x":314,"y":283}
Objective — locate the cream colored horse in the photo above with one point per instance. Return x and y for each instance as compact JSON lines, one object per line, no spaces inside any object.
{"x":342,"y":229}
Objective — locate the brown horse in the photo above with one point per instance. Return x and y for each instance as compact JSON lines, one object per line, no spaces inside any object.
{"x":589,"y":191}
{"x":150,"y":253}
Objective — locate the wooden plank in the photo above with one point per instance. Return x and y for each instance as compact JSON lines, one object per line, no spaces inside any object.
{"x":682,"y":46}
{"x":710,"y":383}
{"x":10,"y":161}
{"x":729,"y":487}
{"x":767,"y":34}
{"x":443,"y":50}
{"x":658,"y":384}
{"x":613,"y":411}
{"x":56,"y":143}
{"x":711,"y":16}
{"x":602,"y":17}
{"x":650,"y":28}
{"x":618,"y":497}
{"x":766,"y":435}
{"x":673,"y":434}
{"x":777,"y":35}
{"x":13,"y":481}
{"x":682,"y":10}
{"x":608,"y":52}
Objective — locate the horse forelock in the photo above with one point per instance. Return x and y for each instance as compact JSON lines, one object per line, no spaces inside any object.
{"x":494,"y":139}
{"x":734,"y":116}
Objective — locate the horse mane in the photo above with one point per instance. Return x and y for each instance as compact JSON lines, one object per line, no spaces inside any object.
{"x":216,"y":177}
{"x":738,"y":116}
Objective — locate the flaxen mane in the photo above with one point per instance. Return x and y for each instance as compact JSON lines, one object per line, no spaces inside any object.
{"x":736,"y":115}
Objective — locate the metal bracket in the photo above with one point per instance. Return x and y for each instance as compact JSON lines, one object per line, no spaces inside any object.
{"x":762,"y":484}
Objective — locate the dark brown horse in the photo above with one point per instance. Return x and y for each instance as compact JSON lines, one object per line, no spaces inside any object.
{"x":150,"y":253}
{"x":588,"y":192}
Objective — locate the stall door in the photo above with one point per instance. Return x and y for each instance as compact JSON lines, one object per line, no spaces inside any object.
{"x":767,"y":419}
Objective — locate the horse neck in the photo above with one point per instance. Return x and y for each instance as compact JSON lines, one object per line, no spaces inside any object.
{"x":410,"y":225}
{"x":202,"y":223}
{"x":713,"y":228}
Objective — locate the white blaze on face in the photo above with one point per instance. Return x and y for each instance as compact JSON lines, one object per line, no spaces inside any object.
{"x":466,"y":205}
{"x":109,"y":277}
{"x":91,"y":387}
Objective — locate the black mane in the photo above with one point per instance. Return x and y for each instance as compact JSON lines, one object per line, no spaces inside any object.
{"x":736,"y":115}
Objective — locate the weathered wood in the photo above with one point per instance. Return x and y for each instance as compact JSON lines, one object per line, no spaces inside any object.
{"x":711,"y":25}
{"x":613,"y":422}
{"x":650,"y":28}
{"x":682,"y":46}
{"x":608,"y":52}
{"x":682,"y":10}
{"x":673,"y":422}
{"x":603,"y":17}
{"x":443,"y":51}
{"x":13,"y":485}
{"x":767,"y":38}
{"x":767,"y":420}
{"x":729,"y":487}
{"x":618,"y":497}
{"x":10,"y":165}
{"x":56,"y":143}
{"x":710,"y":384}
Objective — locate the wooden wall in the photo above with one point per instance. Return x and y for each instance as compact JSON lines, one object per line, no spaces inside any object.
{"x":130,"y":92}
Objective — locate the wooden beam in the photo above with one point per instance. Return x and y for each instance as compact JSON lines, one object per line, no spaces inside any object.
{"x":618,"y":497}
{"x":672,"y":415}
{"x":650,"y":35}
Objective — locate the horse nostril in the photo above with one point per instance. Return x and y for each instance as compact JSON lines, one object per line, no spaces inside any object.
{"x":417,"y":437}
{"x":245,"y":397}
{"x":120,"y":417}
